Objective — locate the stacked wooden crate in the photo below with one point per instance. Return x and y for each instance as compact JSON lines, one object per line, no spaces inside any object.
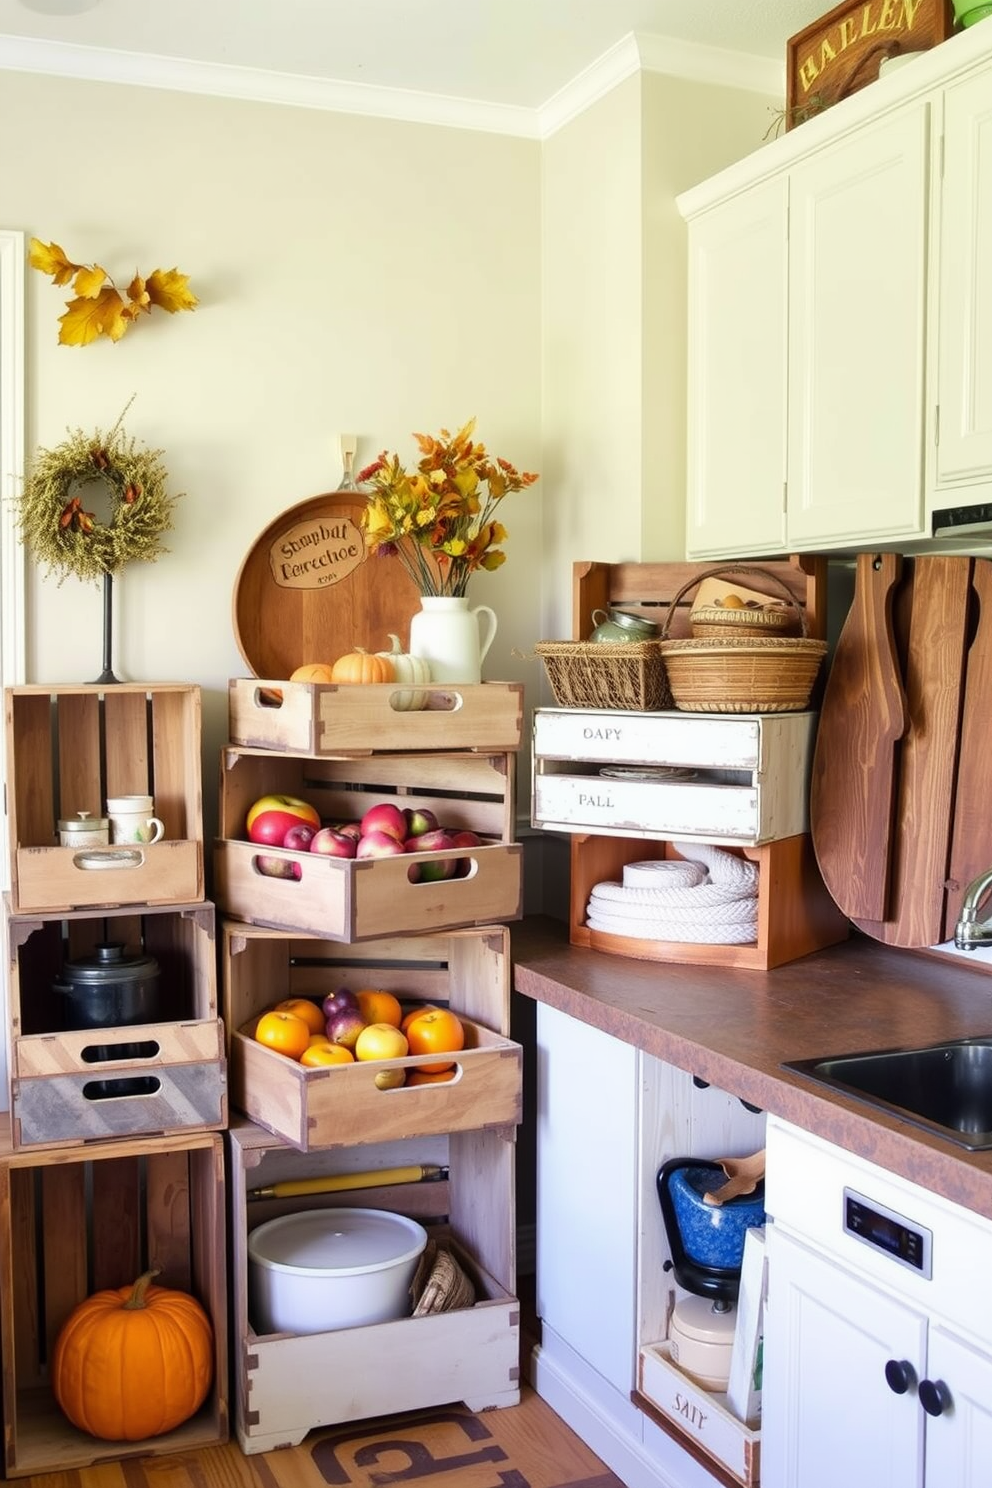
{"x":111,"y":1158}
{"x":363,"y":923}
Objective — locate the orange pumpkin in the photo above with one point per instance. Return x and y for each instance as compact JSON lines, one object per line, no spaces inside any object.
{"x":134,"y":1361}
{"x":312,"y":671}
{"x":359,"y":667}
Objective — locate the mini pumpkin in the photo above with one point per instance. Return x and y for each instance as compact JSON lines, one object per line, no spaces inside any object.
{"x":312,"y":671}
{"x":410,"y":669}
{"x":134,"y":1361}
{"x":360,"y":667}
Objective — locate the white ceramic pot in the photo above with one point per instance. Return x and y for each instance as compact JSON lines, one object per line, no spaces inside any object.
{"x":323,"y":1269}
{"x":451,"y":638}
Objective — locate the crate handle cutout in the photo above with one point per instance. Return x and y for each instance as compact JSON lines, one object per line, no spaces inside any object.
{"x":462,"y":867}
{"x":102,"y":1053}
{"x":113,"y":857}
{"x":123,"y":1089}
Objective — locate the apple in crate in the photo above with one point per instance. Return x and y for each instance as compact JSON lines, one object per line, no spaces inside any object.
{"x":345,"y":1026}
{"x":299,"y":837}
{"x":271,"y":817}
{"x":272,"y":867}
{"x":337,"y":1001}
{"x":333,"y":844}
{"x":419,"y":820}
{"x":439,"y":868}
{"x":379,"y":845}
{"x":385,"y":818}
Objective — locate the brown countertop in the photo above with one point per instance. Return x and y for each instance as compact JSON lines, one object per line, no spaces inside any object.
{"x":734,"y":1028}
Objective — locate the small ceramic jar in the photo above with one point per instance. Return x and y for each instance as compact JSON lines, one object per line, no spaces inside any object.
{"x":84,"y":830}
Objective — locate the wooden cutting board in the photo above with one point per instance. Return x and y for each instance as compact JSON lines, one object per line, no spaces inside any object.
{"x":863,"y":716}
{"x":971,"y":838}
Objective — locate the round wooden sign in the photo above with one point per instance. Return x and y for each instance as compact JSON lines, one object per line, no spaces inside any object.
{"x":308,"y":591}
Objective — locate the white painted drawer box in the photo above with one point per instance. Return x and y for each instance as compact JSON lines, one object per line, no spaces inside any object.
{"x":750,"y":785}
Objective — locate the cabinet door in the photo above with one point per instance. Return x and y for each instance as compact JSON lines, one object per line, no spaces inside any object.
{"x":964,"y":371}
{"x":586,"y":1201}
{"x":828,"y":1416}
{"x":959,"y":1440}
{"x":737,"y":374}
{"x":857,"y":277}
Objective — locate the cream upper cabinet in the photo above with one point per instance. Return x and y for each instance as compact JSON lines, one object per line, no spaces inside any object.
{"x":737,"y":374}
{"x":857,"y":302}
{"x":878,"y":398}
{"x":962,"y":390}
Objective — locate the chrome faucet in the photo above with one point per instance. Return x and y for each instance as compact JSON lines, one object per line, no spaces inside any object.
{"x":970,"y":932}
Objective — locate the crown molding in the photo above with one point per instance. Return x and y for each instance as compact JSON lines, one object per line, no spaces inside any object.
{"x":256,"y":85}
{"x":633,"y":53}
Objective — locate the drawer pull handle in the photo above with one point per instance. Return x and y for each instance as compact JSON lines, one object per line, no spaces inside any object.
{"x":935,"y":1397}
{"x":900,"y":1376}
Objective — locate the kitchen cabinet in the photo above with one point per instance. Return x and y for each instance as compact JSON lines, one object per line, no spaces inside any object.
{"x":876,"y":1369}
{"x":873,"y":224}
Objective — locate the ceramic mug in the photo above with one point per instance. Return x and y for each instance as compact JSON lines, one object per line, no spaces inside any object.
{"x":132,"y":819}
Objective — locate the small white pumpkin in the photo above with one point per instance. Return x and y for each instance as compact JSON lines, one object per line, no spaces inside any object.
{"x":408,"y":669}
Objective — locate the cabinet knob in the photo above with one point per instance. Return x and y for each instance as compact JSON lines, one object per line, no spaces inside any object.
{"x":935,"y":1397}
{"x":899,"y":1376}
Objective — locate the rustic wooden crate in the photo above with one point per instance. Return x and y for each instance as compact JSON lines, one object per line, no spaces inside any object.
{"x":468,"y":970}
{"x":68,"y":749}
{"x":67,"y":1086}
{"x":323,"y":719}
{"x":751,"y":780}
{"x":840,"y":53}
{"x":796,"y":915}
{"x":285,"y":1385}
{"x":74,"y":1224}
{"x":700,"y":1419}
{"x":350,"y":900}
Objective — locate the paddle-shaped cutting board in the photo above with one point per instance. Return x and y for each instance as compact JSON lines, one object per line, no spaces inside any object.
{"x":971,"y":835}
{"x":862,"y":718}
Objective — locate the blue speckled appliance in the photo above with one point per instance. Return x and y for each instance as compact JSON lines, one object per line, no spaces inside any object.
{"x":706,"y":1240}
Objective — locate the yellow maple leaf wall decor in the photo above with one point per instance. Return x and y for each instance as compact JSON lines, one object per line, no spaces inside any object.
{"x":99,"y":308}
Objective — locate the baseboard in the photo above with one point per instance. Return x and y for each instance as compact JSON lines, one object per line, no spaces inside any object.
{"x":608,"y":1423}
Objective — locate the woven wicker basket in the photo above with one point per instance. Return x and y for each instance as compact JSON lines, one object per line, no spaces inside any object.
{"x":714,"y":621}
{"x":626,"y":675}
{"x":740,"y":674}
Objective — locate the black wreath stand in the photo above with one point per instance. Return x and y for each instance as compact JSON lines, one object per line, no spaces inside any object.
{"x":106,"y":677}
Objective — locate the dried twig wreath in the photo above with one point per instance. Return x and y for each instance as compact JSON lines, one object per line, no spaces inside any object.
{"x":54,"y":519}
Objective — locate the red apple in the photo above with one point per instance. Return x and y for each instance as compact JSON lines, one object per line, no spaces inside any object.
{"x":466,"y":839}
{"x":271,"y":817}
{"x":272,"y":867}
{"x":335,"y":1001}
{"x":333,"y":844}
{"x":299,"y":838}
{"x":379,"y":845}
{"x":385,"y":818}
{"x":351,"y":829}
{"x":419,"y":820}
{"x":433,"y":841}
{"x":345,"y":1027}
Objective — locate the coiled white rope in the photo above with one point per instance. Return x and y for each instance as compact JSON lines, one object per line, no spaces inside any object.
{"x":711,"y":897}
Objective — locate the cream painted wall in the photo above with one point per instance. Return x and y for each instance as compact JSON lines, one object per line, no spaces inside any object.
{"x":354,"y":275}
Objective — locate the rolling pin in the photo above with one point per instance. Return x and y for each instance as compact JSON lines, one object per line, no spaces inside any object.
{"x":339,"y":1182}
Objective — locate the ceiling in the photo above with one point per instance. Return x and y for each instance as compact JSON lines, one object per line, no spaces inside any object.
{"x":510,"y":55}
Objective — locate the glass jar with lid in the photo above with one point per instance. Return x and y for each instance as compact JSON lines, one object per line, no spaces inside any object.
{"x":84,"y":830}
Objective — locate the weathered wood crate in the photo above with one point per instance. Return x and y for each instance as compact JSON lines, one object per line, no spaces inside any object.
{"x":349,"y":900}
{"x":285,"y":1385}
{"x":730,"y":778}
{"x":466,"y":970}
{"x":68,"y":749}
{"x":796,"y":915}
{"x":324,"y":719}
{"x":70,"y":1226}
{"x":70,"y":1086}
{"x":699,"y":1418}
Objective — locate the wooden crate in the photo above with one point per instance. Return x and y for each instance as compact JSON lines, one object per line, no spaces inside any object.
{"x":69,"y":1086}
{"x":68,"y":749}
{"x":467,"y":970}
{"x":749,"y":781}
{"x":796,"y":915}
{"x":700,"y":1419}
{"x":74,"y":1224}
{"x":322,"y":719}
{"x":285,"y":1385}
{"x":349,"y":900}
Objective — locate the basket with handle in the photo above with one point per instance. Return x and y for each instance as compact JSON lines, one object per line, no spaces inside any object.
{"x":734,"y":673}
{"x":782,"y":617}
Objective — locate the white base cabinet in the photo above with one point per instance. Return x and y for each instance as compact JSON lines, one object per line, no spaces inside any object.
{"x":874,"y":1370}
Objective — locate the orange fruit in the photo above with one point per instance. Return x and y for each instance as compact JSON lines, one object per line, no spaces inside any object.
{"x":377,"y":1006}
{"x":436,"y":1031}
{"x":309,"y":1011}
{"x":380,"y":1041}
{"x":312,"y":671}
{"x":415,"y":1012}
{"x":318,"y":1055}
{"x":284,"y":1032}
{"x":318,"y":1038}
{"x":430,"y":1076}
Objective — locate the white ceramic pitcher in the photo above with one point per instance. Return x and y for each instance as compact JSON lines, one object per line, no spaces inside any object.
{"x":450,"y":637}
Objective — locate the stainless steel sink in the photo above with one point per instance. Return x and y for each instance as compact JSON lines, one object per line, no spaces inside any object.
{"x":943,"y":1088}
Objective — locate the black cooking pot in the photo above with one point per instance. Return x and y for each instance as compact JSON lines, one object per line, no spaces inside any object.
{"x":110,"y":989}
